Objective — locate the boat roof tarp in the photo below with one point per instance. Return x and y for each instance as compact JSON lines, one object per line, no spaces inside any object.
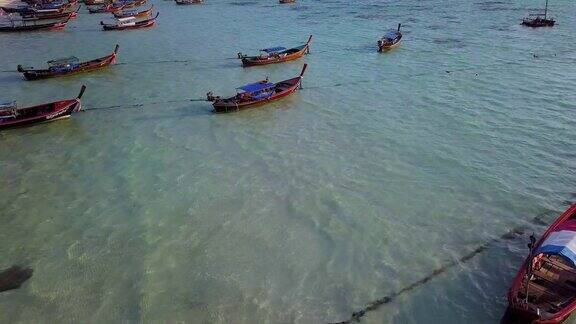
{"x":126,"y":19}
{"x":561,"y":242}
{"x":256,"y":87}
{"x":274,"y":49}
{"x":64,"y":61}
{"x":392,"y":34}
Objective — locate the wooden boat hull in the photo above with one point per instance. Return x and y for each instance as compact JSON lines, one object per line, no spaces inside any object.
{"x":282,"y":90}
{"x":115,"y":9}
{"x":225,"y":107}
{"x":248,"y":61}
{"x":32,"y":10}
{"x":44,"y":113}
{"x":539,"y":23}
{"x":385,"y":48}
{"x":516,"y":302}
{"x":147,"y":24}
{"x":92,"y":65}
{"x":49,"y":26}
{"x":141,"y":14}
{"x":73,"y":15}
{"x":47,"y":16}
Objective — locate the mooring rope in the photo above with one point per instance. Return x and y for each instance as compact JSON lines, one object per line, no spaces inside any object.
{"x":374,"y":305}
{"x":141,"y":104}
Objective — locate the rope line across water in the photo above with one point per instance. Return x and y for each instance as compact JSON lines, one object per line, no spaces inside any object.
{"x":141,"y":104}
{"x":374,"y":305}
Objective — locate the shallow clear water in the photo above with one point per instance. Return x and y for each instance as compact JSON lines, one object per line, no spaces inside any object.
{"x":382,"y":169}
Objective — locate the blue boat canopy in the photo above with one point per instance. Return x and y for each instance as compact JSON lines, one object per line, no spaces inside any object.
{"x":392,"y":34}
{"x":256,"y":87}
{"x":561,"y":242}
{"x":274,"y":49}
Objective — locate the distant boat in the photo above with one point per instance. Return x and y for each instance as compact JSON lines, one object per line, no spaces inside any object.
{"x":68,"y":66}
{"x":257,"y":93}
{"x":134,"y":13}
{"x":12,"y":116}
{"x":189,"y":2}
{"x":22,"y":25}
{"x":130,"y":23}
{"x":117,"y":6}
{"x":40,"y":15}
{"x":391,"y":40}
{"x":56,"y":7}
{"x":539,"y":19}
{"x":544,"y":290}
{"x":287,"y":1}
{"x":276,"y":55}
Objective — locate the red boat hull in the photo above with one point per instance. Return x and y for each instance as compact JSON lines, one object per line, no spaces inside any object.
{"x":59,"y":110}
{"x":517,"y":306}
{"x":225,"y":106}
{"x":139,"y":24}
{"x":114,"y":27}
{"x":89,"y":66}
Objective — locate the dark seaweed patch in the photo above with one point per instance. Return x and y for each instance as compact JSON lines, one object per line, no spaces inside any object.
{"x":244,"y":3}
{"x":449,"y":42}
{"x":370,"y":16}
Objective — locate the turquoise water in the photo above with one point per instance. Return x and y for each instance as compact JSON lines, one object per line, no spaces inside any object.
{"x":382,"y":169}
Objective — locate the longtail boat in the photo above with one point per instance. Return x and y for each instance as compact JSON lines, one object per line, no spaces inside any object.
{"x":40,"y":8}
{"x":258,"y":93}
{"x":276,"y":55}
{"x":117,"y":6}
{"x":287,"y":1}
{"x":45,"y":16}
{"x":32,"y":25}
{"x":391,"y":40}
{"x":130,"y":23}
{"x":539,"y":19}
{"x":68,"y":66}
{"x":544,"y":290}
{"x":189,"y":2}
{"x":134,"y":13}
{"x":12,"y":116}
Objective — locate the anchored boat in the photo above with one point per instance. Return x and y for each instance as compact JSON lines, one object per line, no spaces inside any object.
{"x":539,"y":19}
{"x":68,"y":66}
{"x":117,"y":6}
{"x":258,"y":93}
{"x":134,"y":13}
{"x":40,"y":15}
{"x":130,"y":23}
{"x":276,"y":55}
{"x":391,"y":40}
{"x":12,"y":116}
{"x":544,"y":290}
{"x":19,"y":25}
{"x":40,"y":8}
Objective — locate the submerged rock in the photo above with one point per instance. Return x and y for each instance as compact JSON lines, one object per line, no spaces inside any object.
{"x":14,"y":277}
